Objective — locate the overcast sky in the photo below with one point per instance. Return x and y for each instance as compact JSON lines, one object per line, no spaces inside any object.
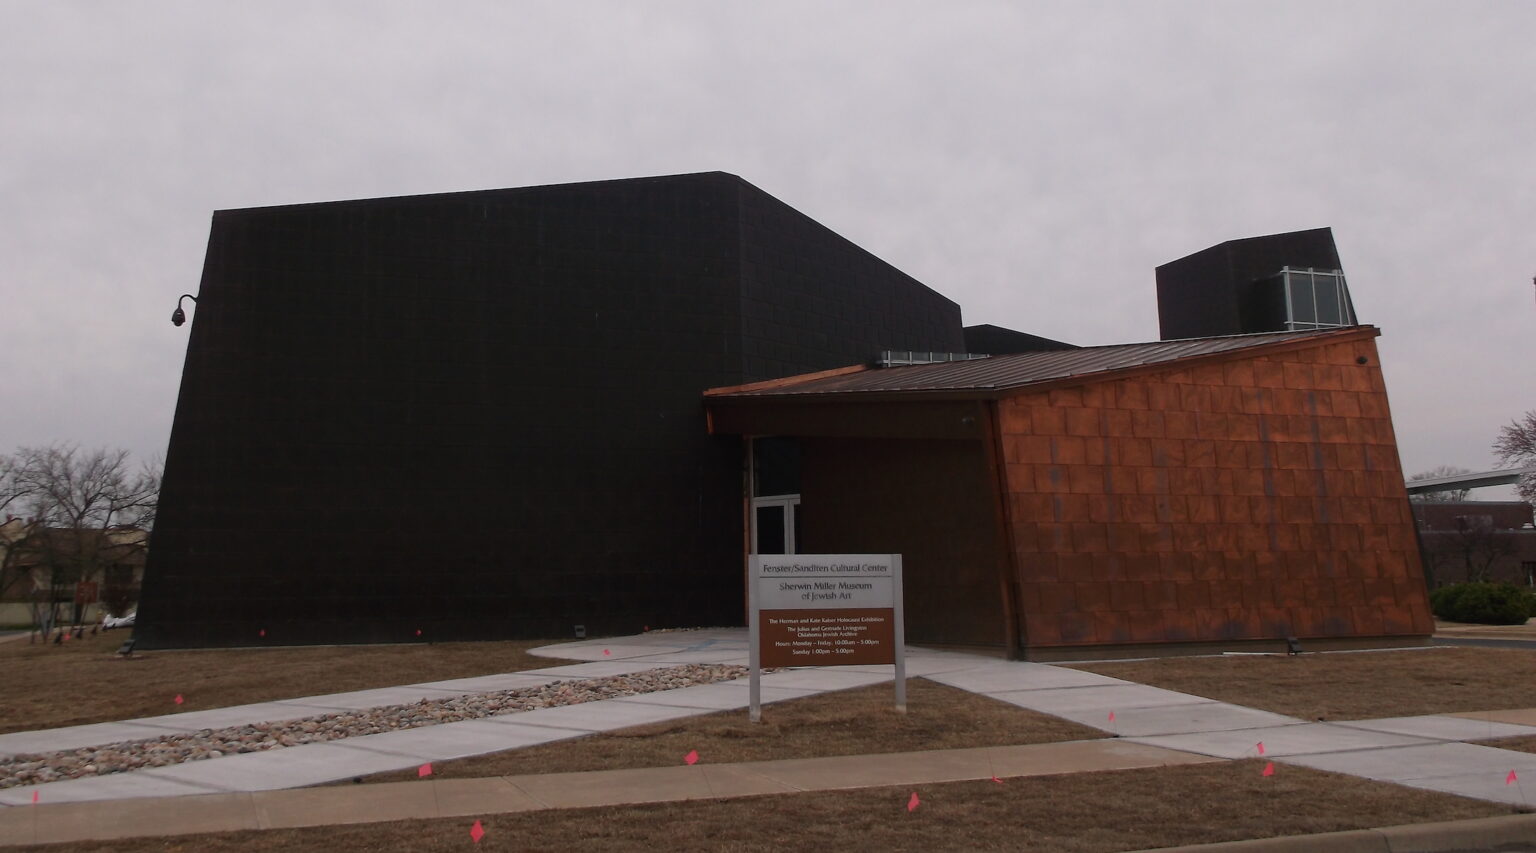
{"x":1032,"y":161}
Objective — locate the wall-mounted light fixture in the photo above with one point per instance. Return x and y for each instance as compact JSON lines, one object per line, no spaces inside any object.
{"x":179,"y":316}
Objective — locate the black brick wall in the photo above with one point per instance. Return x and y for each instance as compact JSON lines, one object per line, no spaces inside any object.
{"x":478,"y":415}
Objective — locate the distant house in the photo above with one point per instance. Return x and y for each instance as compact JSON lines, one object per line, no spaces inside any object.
{"x":72,"y":574}
{"x":1477,"y":541}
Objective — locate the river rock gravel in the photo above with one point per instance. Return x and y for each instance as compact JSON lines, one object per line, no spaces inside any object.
{"x":36,"y":768}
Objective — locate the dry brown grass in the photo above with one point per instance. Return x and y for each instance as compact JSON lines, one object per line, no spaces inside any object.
{"x":82,"y":681}
{"x":1082,"y":813}
{"x":1349,"y":686}
{"x":1519,"y":744}
{"x":848,"y":722}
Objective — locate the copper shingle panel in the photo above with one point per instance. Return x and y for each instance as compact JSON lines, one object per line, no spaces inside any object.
{"x":1004,"y":372}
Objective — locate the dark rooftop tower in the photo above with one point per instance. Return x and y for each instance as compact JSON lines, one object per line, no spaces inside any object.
{"x":1274,"y":283}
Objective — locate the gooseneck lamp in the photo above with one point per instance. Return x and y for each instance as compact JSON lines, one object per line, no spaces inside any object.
{"x":179,"y":316}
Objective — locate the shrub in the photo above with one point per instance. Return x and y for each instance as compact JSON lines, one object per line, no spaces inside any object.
{"x":1483,"y":603}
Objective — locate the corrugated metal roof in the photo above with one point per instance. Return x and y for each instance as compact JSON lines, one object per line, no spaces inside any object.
{"x":1002,"y":372}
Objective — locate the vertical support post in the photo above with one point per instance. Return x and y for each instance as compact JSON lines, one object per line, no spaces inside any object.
{"x":900,"y":619}
{"x":755,"y":649}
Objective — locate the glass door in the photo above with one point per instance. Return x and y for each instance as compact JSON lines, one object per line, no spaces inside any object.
{"x":775,"y":524}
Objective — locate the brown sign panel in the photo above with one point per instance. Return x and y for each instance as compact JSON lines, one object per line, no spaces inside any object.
{"x":827,"y":637}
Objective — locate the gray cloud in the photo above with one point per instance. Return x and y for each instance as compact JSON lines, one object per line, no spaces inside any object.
{"x":1032,"y":161}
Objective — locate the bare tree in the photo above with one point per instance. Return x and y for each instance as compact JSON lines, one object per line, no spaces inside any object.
{"x":1434,"y":474}
{"x":86,"y":510}
{"x":1516,"y":446}
{"x":1475,"y":546}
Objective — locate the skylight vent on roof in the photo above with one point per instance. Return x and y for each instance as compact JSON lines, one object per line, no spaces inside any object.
{"x":898,"y":358}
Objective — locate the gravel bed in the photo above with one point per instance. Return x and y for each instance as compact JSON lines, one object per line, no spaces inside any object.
{"x":37,"y":768}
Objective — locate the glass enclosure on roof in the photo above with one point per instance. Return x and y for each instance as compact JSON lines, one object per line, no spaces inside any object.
{"x":1312,"y":298}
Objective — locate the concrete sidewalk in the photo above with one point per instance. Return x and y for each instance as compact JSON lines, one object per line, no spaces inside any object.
{"x":127,"y":818}
{"x":363,"y":755}
{"x":1426,"y":752}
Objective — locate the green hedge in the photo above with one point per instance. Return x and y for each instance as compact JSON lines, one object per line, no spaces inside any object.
{"x":1483,"y":603}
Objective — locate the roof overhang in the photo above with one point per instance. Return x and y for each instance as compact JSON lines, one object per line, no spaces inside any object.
{"x":996,"y":377}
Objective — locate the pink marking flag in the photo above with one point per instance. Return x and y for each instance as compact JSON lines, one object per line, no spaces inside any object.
{"x":1269,"y":769}
{"x":477,"y":832}
{"x":913,"y":803}
{"x":691,"y":758}
{"x":1261,"y":747}
{"x":424,"y":770}
{"x":606,"y":653}
{"x":1111,"y":716}
{"x":34,"y":798}
{"x":178,"y":700}
{"x":997,"y":780}
{"x":1508,"y":780}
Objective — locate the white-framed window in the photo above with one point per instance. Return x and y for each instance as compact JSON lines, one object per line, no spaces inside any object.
{"x":1315,"y":299}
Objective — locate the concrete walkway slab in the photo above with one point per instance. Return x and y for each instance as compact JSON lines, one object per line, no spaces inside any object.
{"x":1482,"y":785}
{"x":1080,"y":756}
{"x":235,"y":715}
{"x":118,"y":786}
{"x":602,"y":716}
{"x":88,"y":820}
{"x":1442,"y":727}
{"x":1411,"y":763}
{"x":1099,"y":700}
{"x":1302,"y":739}
{"x":457,"y":740}
{"x":720,"y":696}
{"x":396,"y":801}
{"x":898,"y":768}
{"x":464,"y":797}
{"x":1198,"y":716}
{"x":643,"y":785}
{"x":291,"y":767}
{"x":75,"y":737}
{"x":998,"y":676}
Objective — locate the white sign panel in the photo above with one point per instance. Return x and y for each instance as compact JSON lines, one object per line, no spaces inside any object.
{"x":830,"y":581}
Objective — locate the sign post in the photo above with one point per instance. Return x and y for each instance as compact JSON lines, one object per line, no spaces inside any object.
{"x":825,"y":610}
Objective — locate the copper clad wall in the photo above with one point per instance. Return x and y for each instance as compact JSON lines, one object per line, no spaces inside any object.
{"x":1249,"y":498}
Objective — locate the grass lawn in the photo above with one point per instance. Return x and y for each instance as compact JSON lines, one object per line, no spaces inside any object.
{"x":1353,"y":686}
{"x":1519,"y":744}
{"x":82,"y":681}
{"x":848,"y":722}
{"x":1078,"y":813}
